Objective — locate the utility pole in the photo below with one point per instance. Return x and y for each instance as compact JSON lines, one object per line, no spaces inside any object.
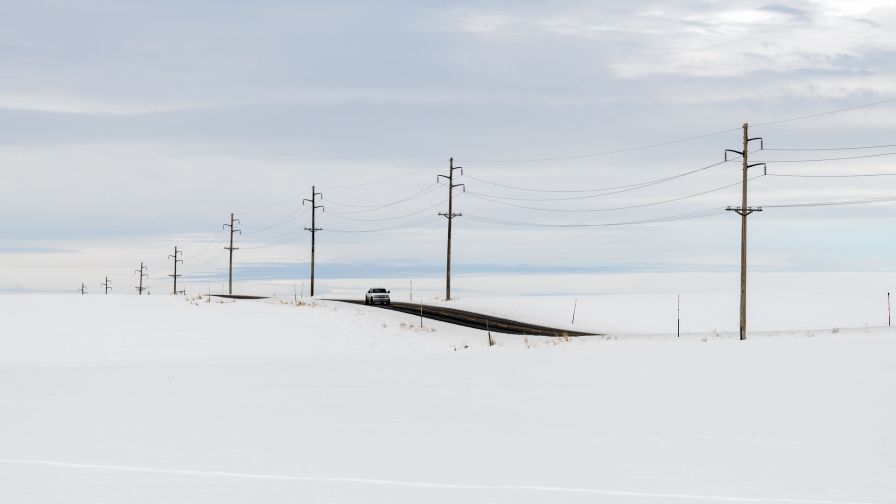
{"x":107,"y":285}
{"x":177,"y":259}
{"x":744,"y":211}
{"x":678,"y":322}
{"x":313,"y":229}
{"x":450,"y":216}
{"x":889,"y":316}
{"x":231,"y":249}
{"x":142,"y":272}
{"x":84,"y":290}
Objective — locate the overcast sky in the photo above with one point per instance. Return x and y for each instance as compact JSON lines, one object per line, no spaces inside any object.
{"x":129,"y":127}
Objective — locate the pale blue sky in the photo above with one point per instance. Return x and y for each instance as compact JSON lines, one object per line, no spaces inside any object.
{"x":129,"y":127}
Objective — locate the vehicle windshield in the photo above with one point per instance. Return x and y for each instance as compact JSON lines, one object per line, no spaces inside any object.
{"x":378,"y":291}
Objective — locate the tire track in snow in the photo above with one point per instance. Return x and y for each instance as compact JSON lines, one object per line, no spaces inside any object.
{"x":415,"y":484}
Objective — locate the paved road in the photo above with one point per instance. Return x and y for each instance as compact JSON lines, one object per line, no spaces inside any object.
{"x":474,"y":320}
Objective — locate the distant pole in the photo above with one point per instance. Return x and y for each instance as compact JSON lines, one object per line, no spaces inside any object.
{"x":209,"y":292}
{"x":84,"y":289}
{"x":450,"y":216}
{"x":313,"y":229}
{"x":142,"y":273}
{"x":412,"y":289}
{"x":295,"y":293}
{"x":421,"y":313}
{"x":231,"y":249}
{"x":106,"y":285}
{"x":574,"y":306}
{"x":678,"y":329}
{"x":176,"y":260}
{"x":889,"y":316}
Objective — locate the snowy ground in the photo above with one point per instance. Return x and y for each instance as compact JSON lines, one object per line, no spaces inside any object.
{"x":155,"y":400}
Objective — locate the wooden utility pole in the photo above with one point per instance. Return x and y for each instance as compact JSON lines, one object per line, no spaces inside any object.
{"x":231,"y":248}
{"x":450,"y":216}
{"x":84,"y":290}
{"x":106,"y":285}
{"x":744,"y":211}
{"x":142,"y":273}
{"x":177,"y":259}
{"x":313,"y":229}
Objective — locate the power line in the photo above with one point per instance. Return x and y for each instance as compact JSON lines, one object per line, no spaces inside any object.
{"x":407,"y":225}
{"x":371,"y":208}
{"x":608,"y":152}
{"x":829,"y":148}
{"x":830,"y":159}
{"x":618,"y":189}
{"x":628,"y":207}
{"x":272,"y":205}
{"x":208,"y":246}
{"x":882,"y":199}
{"x":670,"y":218}
{"x":390,"y":218}
{"x":830,"y":112}
{"x":212,"y":259}
{"x":855,"y":175}
{"x":685,"y":139}
{"x":293,"y":215}
{"x":387,"y":179}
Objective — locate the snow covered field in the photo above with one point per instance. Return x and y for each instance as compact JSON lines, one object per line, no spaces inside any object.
{"x":156,"y":400}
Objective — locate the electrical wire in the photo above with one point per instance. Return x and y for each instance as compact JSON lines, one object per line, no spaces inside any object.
{"x":209,"y":244}
{"x":687,"y":216}
{"x":856,"y":175}
{"x":685,"y":139}
{"x":883,"y":154}
{"x":833,"y":203}
{"x":294,"y":197}
{"x":213,"y":258}
{"x":378,"y":205}
{"x":387,"y":179}
{"x":829,"y":148}
{"x":623,"y":188}
{"x":293,"y":215}
{"x":629,"y":207}
{"x":390,"y":218}
{"x":608,"y":152}
{"x":390,"y":228}
{"x":830,"y":112}
{"x":427,"y":190}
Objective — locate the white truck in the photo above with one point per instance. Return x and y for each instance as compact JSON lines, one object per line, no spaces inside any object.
{"x":377,"y":296}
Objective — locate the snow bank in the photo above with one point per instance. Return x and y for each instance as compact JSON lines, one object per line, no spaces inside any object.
{"x":116,"y":328}
{"x":159,"y":400}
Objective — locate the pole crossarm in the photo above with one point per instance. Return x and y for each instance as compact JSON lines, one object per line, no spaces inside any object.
{"x":743,"y":212}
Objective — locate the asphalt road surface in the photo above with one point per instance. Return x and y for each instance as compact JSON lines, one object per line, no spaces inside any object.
{"x":474,"y":320}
